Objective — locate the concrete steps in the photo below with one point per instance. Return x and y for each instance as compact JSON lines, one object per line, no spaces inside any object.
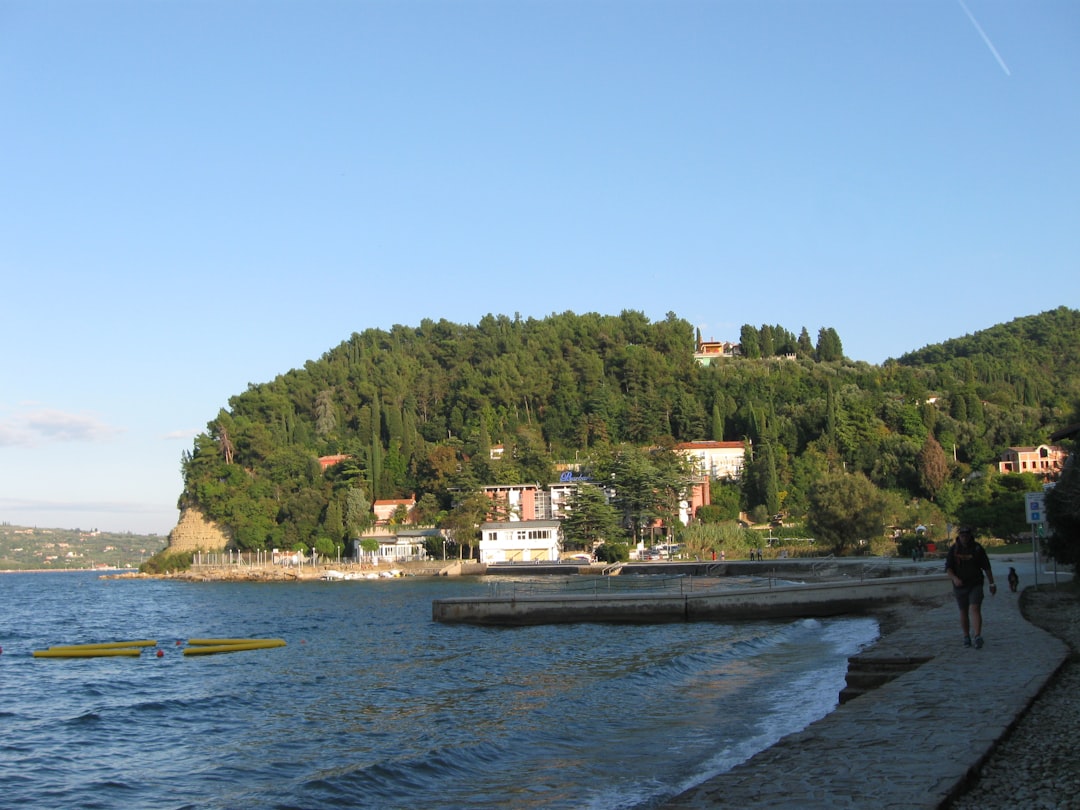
{"x":867,"y":672}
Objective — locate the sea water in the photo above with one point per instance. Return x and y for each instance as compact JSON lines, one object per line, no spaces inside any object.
{"x":373,"y":705}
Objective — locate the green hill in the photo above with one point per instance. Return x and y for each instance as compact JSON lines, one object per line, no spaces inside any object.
{"x":25,"y":548}
{"x":416,"y":410}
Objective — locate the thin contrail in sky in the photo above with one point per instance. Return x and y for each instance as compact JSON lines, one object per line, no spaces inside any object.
{"x":986,"y":39}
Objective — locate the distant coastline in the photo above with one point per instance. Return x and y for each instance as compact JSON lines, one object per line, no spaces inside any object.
{"x":108,"y":570}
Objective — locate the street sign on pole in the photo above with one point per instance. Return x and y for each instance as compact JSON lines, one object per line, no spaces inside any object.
{"x":1035,"y":506}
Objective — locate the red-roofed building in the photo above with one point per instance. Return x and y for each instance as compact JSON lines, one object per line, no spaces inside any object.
{"x":1045,"y":460}
{"x":384,"y":510}
{"x":329,"y":461}
{"x":710,"y":350}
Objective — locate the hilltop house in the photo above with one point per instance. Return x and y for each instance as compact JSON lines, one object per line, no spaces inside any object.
{"x":708,"y":351}
{"x":1045,"y":460}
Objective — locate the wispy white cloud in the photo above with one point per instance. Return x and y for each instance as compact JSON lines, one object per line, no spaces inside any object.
{"x":46,"y":425}
{"x":122,"y":507}
{"x":189,"y":433}
{"x":120,"y":516}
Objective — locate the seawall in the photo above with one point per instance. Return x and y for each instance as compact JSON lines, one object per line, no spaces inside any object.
{"x":786,"y":601}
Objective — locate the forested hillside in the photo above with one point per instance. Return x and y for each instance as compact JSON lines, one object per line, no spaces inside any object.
{"x":32,"y":548}
{"x":417,"y":409}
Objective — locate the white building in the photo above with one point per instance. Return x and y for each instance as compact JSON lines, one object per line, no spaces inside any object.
{"x":520,"y":541}
{"x":404,"y":546}
{"x":553,"y":504}
{"x":715,"y":459}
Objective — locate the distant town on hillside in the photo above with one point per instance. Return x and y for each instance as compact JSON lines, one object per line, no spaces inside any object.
{"x":30,"y":548}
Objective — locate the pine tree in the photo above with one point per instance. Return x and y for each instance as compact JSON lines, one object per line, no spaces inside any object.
{"x":749,"y":342}
{"x":334,"y":522}
{"x":805,"y":345}
{"x":933,"y":467}
{"x":717,"y":423}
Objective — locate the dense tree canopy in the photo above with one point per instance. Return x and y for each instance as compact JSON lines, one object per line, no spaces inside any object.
{"x":418,"y":410}
{"x":591,"y":519}
{"x":846,"y":509}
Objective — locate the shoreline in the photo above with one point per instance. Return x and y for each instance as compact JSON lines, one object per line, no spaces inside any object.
{"x":112,"y":570}
{"x":278,"y":573}
{"x":912,"y":740}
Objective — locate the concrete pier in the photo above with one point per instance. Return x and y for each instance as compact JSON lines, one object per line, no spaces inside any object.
{"x":787,"y":601}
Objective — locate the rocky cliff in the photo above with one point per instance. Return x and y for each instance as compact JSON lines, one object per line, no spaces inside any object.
{"x":195,"y":533}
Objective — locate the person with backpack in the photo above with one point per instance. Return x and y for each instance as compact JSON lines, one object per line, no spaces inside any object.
{"x":965,"y":564}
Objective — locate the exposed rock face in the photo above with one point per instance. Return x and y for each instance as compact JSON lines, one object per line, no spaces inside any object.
{"x":195,"y":533}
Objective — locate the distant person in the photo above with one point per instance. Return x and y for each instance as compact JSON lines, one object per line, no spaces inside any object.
{"x":1014,"y":580}
{"x":965,"y":564}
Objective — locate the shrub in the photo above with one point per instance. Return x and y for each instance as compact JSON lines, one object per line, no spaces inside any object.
{"x":165,"y":561}
{"x":612,"y":552}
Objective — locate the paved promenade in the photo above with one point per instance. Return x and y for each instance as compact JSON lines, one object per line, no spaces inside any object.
{"x":912,"y":742}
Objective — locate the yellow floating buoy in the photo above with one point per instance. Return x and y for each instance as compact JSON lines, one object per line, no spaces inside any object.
{"x":209,"y":646}
{"x":197,"y":646}
{"x":203,"y":642}
{"x":87,"y":652}
{"x":105,"y":645}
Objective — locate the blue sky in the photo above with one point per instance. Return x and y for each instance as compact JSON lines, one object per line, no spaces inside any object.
{"x":201,"y":195}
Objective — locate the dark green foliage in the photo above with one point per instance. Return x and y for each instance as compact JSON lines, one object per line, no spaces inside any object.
{"x":761,"y":485}
{"x":845,"y":510}
{"x":166,"y":561}
{"x":417,"y":411}
{"x":1063,"y":515}
{"x":326,"y":547}
{"x":648,"y":484}
{"x":725,"y":498}
{"x":829,"y":349}
{"x":1027,"y":366}
{"x":612,"y":552}
{"x":590,"y":519}
{"x":933,"y":467}
{"x":462,"y":523}
{"x":994,"y":503}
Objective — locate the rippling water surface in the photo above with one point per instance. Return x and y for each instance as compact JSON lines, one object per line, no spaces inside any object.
{"x":373,"y":705}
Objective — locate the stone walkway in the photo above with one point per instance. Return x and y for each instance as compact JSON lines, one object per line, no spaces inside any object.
{"x":914,"y":741}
